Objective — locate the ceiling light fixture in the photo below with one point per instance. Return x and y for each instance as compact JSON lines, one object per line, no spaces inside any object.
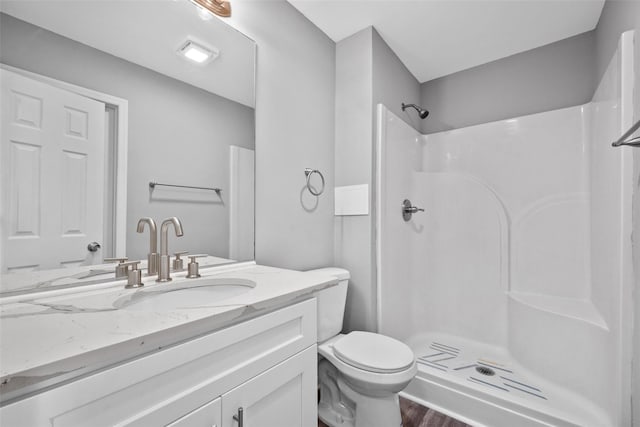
{"x":198,"y":53}
{"x":217,"y":7}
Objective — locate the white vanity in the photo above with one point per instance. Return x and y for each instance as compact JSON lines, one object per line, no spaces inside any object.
{"x":107,"y":357}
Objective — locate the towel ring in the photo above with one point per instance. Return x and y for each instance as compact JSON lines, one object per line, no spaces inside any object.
{"x":308,"y":172}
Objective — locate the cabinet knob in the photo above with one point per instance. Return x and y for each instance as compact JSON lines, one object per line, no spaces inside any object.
{"x":239,"y":418}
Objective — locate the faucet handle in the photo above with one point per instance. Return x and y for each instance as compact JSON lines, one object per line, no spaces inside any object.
{"x":134,"y":276}
{"x":193,"y":266}
{"x":120,"y":270}
{"x":178,"y":264}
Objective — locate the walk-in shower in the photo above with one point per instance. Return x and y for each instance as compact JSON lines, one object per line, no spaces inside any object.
{"x":513,"y":287}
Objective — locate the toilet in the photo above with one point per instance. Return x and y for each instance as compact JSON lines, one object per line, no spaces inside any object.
{"x":359,"y":373}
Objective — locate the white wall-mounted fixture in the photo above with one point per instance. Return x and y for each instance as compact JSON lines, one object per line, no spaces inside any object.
{"x":198,"y":53}
{"x":351,"y":200}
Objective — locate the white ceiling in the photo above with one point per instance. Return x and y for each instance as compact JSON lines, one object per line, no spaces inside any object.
{"x":150,"y":36}
{"x":434,"y":38}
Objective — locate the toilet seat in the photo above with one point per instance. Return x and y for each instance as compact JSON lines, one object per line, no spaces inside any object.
{"x":375,"y":381}
{"x":383,"y":381}
{"x":374,"y":352}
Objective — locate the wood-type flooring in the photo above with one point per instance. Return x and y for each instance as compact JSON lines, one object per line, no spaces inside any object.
{"x":416,"y":415}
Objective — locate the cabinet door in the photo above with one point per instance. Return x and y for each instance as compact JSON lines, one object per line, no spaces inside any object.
{"x":208,"y":415}
{"x":285,"y":395}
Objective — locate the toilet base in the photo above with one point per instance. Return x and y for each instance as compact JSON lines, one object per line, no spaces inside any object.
{"x":341,"y":406}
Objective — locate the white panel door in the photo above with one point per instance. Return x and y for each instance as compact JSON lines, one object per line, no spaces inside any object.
{"x":285,"y":395}
{"x":52,"y":158}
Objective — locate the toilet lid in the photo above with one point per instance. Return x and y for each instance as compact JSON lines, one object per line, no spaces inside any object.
{"x":373,"y":352}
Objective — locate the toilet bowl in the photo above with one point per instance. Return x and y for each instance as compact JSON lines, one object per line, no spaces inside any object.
{"x":359,"y":373}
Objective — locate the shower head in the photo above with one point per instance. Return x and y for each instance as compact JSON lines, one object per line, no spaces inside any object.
{"x":421,"y":113}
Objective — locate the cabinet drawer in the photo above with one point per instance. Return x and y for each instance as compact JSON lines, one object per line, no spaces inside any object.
{"x":156,"y":389}
{"x":209,"y":415}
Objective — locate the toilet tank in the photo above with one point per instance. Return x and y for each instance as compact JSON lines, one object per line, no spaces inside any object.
{"x":331,"y":303}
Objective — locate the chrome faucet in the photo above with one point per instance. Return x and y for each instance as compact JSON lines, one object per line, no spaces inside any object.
{"x":152,"y":257}
{"x":163,"y":274}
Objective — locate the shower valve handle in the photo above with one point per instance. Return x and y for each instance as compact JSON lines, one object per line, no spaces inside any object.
{"x":408,"y":209}
{"x":413,"y":209}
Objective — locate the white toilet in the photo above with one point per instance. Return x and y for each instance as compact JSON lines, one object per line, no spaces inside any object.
{"x":360,"y":373}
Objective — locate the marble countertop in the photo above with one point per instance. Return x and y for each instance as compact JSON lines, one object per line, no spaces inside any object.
{"x":47,"y":339}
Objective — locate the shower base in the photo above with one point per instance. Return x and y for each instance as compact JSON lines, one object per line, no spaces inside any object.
{"x":483,"y":386}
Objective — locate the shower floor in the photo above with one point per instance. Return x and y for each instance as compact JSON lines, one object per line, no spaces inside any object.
{"x":483,"y":385}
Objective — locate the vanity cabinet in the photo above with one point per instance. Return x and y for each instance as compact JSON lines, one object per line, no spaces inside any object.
{"x":265,"y":365}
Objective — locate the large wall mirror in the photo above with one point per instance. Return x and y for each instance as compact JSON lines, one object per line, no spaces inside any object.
{"x":77,"y":72}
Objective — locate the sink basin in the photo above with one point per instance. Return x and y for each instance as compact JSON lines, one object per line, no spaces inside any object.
{"x":205,"y":292}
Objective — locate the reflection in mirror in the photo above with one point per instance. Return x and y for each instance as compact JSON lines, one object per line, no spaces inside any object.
{"x":98,"y":104}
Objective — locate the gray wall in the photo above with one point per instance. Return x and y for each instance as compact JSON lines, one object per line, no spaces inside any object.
{"x":354,"y":163}
{"x":177,"y":133}
{"x":393,"y":83}
{"x":294,"y":130}
{"x":550,"y":77}
{"x":367,"y":73}
{"x":618,"y":17}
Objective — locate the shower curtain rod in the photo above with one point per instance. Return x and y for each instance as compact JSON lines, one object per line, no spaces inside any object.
{"x":633,"y":142}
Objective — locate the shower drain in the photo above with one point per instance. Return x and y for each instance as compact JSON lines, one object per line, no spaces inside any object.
{"x":485,"y":371}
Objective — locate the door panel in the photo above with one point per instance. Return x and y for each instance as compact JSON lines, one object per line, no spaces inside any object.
{"x":52,"y":159}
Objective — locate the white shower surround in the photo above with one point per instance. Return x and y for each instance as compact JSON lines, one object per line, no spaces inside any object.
{"x":524,"y":251}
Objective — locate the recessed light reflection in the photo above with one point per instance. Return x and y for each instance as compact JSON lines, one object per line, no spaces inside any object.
{"x":198,"y":53}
